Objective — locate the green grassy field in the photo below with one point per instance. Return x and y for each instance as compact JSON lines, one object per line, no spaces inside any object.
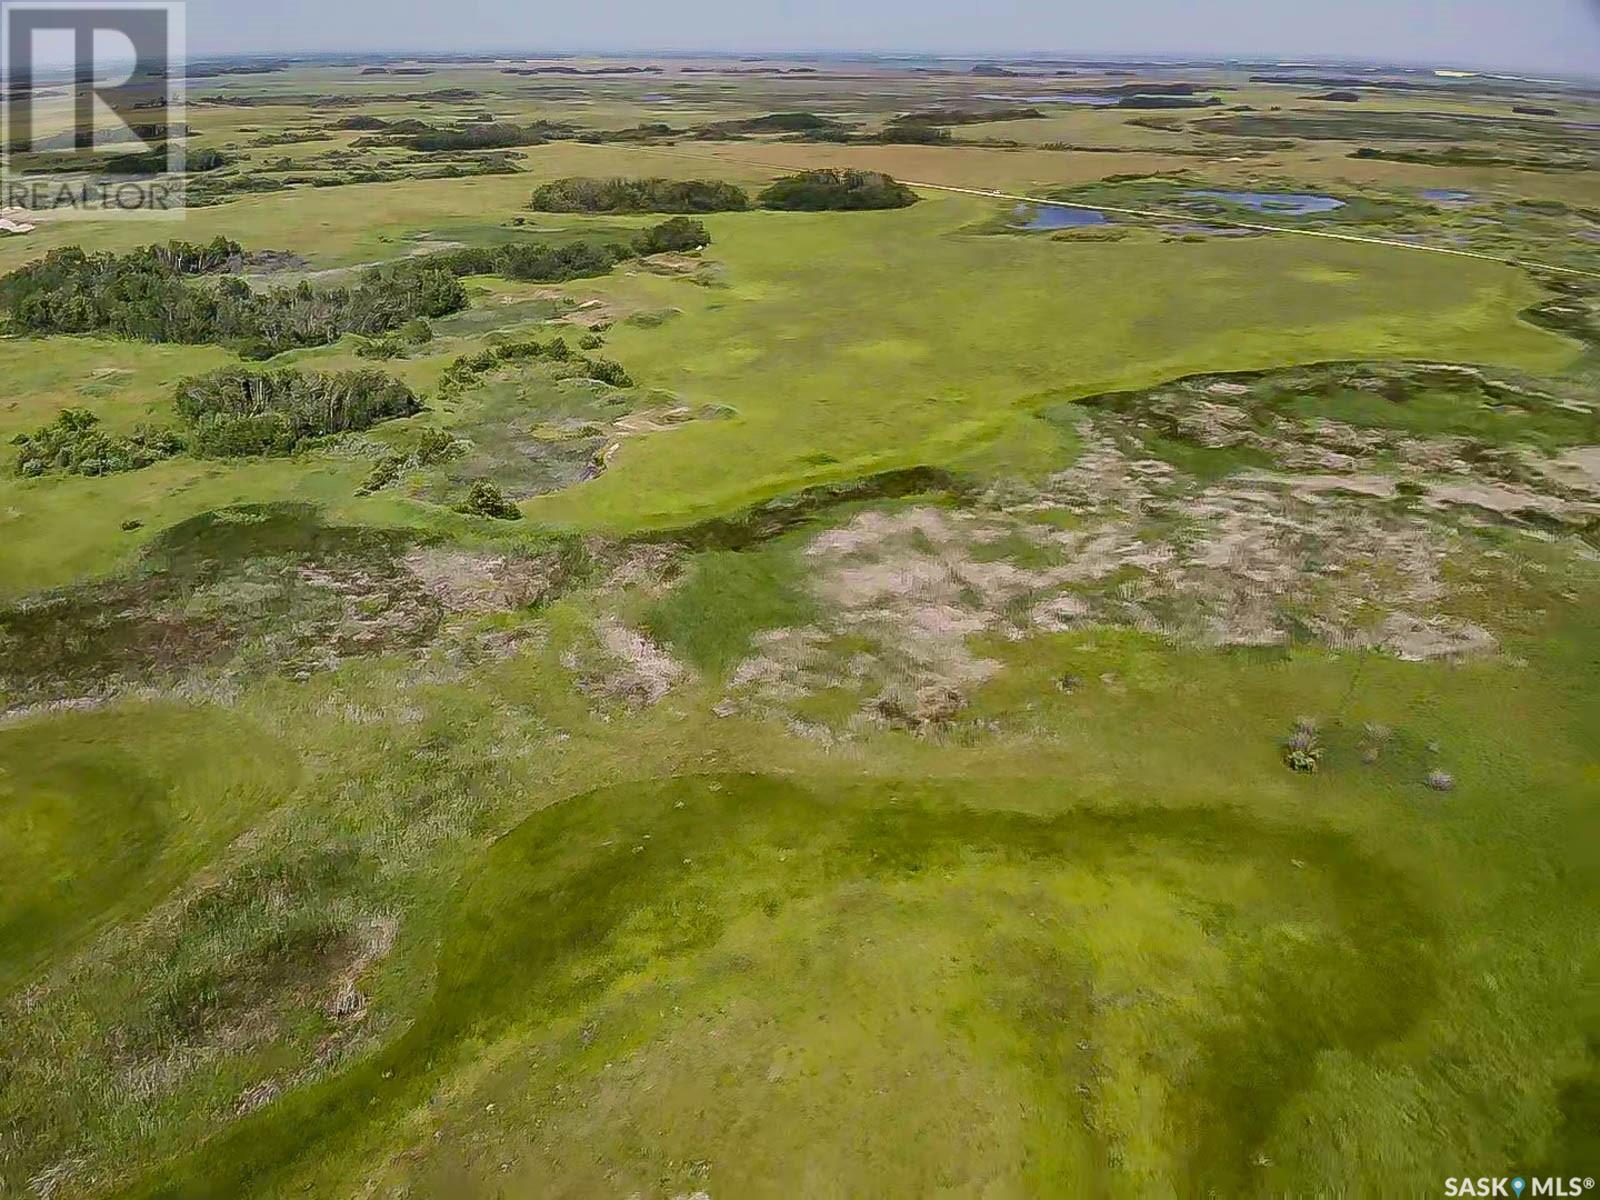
{"x":865,"y":768}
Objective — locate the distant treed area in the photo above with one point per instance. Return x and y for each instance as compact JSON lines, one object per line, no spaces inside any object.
{"x":808,"y":191}
{"x":584,"y":195}
{"x":155,"y":295}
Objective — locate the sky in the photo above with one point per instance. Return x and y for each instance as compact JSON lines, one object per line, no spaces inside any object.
{"x":1554,"y":36}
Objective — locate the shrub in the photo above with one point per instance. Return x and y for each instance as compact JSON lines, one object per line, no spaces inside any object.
{"x":486,"y":500}
{"x":679,"y":234}
{"x":380,"y":348}
{"x":75,"y":444}
{"x":416,"y":332}
{"x":466,"y":369}
{"x":1303,"y":751}
{"x":607,"y":371}
{"x":433,"y":446}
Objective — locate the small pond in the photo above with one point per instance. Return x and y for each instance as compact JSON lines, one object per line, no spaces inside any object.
{"x":1446,"y":195}
{"x":1287,"y":204}
{"x":1053,"y":216}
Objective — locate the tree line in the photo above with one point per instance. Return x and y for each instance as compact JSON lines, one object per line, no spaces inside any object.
{"x":242,"y":411}
{"x":158,"y":293}
{"x":581,"y":194}
{"x":812,"y":191}
{"x":153,"y":295}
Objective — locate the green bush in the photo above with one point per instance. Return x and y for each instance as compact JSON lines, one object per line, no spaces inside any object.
{"x":466,"y":369}
{"x":679,"y":234}
{"x":416,"y":332}
{"x":486,"y":500}
{"x":433,"y":446}
{"x":607,"y":371}
{"x":74,"y":443}
{"x":1303,"y":751}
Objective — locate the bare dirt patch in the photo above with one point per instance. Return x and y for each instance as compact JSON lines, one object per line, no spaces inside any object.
{"x":1257,"y":559}
{"x":625,"y":666}
{"x":466,"y":582}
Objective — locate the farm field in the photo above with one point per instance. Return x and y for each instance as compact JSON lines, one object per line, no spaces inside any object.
{"x":547,"y":649}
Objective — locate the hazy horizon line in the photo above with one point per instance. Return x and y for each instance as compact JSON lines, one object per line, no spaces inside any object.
{"x":1198,"y":57}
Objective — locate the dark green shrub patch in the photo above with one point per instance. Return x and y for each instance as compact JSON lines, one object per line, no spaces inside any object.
{"x":239,"y":411}
{"x":486,"y":500}
{"x":831,"y":190}
{"x":147,"y":295}
{"x":533,"y":262}
{"x":75,"y":443}
{"x":679,"y":234}
{"x":586,"y":195}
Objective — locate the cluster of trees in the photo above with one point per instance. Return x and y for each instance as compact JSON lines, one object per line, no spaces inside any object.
{"x":361,"y":122}
{"x":433,"y":446}
{"x":150,"y":295}
{"x":913,"y":133}
{"x":1169,"y":101}
{"x":468,"y":368}
{"x":965,"y":116}
{"x":230,"y":413}
{"x":75,"y":443}
{"x":678,"y":235}
{"x":241,"y":411}
{"x":831,"y":190}
{"x":473,"y":135}
{"x":808,"y":191}
{"x":486,"y":136}
{"x":557,"y":262}
{"x":533,"y":262}
{"x":415,"y":332}
{"x":645,"y":131}
{"x":155,"y":160}
{"x":585,"y":195}
{"x":783,"y":122}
